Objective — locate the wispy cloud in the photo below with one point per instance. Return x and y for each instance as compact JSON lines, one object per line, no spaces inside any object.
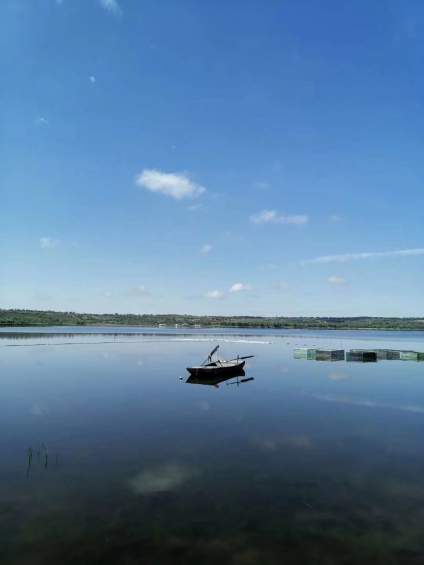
{"x":344,"y":258}
{"x":111,"y":6}
{"x":92,"y":79}
{"x":194,"y":207}
{"x":262,"y":185}
{"x":215,"y":294}
{"x":268,"y":267}
{"x":207,"y":248}
{"x":273,"y":217}
{"x":41,"y":121}
{"x":176,"y":185}
{"x":239,"y":287}
{"x":336,"y":280}
{"x":49,"y":242}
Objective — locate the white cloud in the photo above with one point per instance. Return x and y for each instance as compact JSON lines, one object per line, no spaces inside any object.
{"x":111,"y":6}
{"x":176,"y":185}
{"x":366,"y":255}
{"x":161,"y":479}
{"x":207,"y":248}
{"x":273,"y":217}
{"x":336,"y":280}
{"x":216,"y":294}
{"x":41,"y":121}
{"x":49,"y":242}
{"x":139,"y":290}
{"x":239,"y":287}
{"x":92,"y":79}
{"x":280,"y":285}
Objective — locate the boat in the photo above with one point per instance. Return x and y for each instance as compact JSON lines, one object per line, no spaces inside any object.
{"x":215,"y":367}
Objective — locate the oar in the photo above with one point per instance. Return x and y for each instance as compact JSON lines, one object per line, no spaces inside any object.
{"x":211,"y":354}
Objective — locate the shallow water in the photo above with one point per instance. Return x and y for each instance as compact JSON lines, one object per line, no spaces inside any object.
{"x":310,"y":462}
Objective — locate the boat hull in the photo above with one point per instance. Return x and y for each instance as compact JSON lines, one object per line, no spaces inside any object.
{"x":216,"y":370}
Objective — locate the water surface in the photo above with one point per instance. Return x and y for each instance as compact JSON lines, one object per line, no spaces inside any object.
{"x":109,"y":456}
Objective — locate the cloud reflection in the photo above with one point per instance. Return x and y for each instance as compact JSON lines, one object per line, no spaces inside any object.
{"x":165,"y":478}
{"x":415,"y":408}
{"x":38,"y":409}
{"x":338,"y":376}
{"x":279,"y":442}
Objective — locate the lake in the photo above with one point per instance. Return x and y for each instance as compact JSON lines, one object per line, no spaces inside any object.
{"x":110,"y":456}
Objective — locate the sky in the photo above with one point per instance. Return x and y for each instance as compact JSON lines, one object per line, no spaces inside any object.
{"x":238,"y":157}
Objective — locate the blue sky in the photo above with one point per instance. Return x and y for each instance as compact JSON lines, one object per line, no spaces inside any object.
{"x":235,"y":157}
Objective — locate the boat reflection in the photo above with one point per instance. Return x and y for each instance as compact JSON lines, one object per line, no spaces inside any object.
{"x":216,"y":380}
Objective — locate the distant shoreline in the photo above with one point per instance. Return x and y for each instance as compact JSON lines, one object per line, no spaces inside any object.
{"x":13,"y":318}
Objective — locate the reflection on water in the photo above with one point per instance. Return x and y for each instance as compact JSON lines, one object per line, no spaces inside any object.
{"x":357,"y":355}
{"x":216,"y":380}
{"x":295,"y":463}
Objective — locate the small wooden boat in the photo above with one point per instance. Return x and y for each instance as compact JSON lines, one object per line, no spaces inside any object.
{"x":212,"y":368}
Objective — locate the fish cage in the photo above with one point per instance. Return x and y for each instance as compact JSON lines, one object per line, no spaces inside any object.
{"x":361,"y":356}
{"x":408,"y":355}
{"x":330,"y":355}
{"x":382,"y":354}
{"x":388,"y":354}
{"x":304,"y":353}
{"x":319,"y":354}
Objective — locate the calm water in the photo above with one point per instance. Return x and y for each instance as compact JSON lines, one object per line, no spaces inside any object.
{"x":108,"y":456}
